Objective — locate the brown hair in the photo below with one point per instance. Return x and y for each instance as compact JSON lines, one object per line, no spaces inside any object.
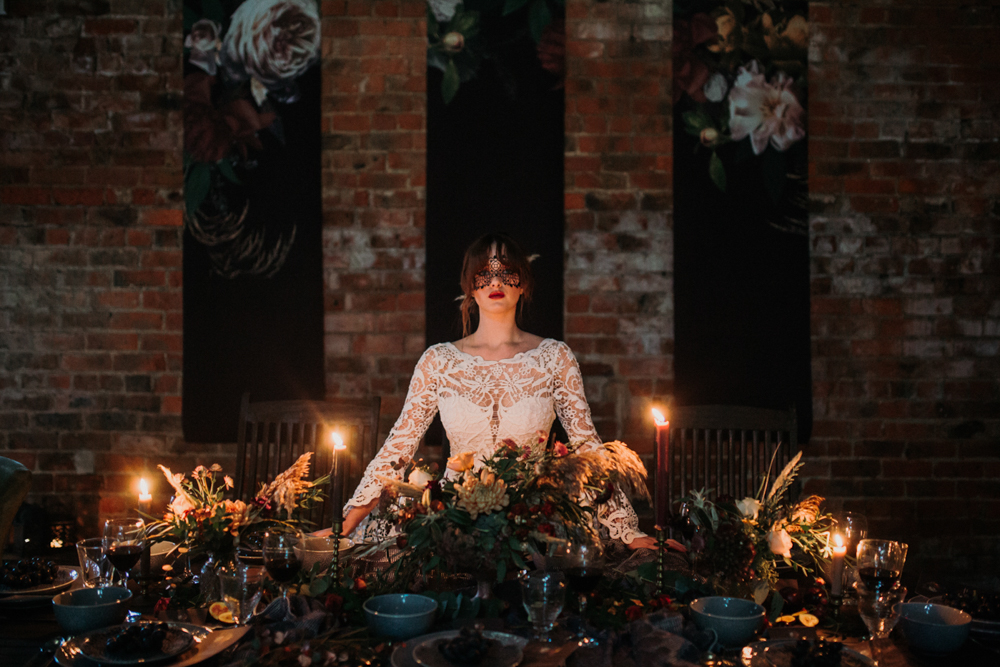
{"x":475,"y":259}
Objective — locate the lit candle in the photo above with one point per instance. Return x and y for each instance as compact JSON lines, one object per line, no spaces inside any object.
{"x":662,"y":469}
{"x":837,"y":566}
{"x":145,"y":497}
{"x":337,"y":476}
{"x":145,"y":506}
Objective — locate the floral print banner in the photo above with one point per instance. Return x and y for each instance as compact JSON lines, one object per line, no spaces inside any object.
{"x":253,"y":303}
{"x":741,"y":270}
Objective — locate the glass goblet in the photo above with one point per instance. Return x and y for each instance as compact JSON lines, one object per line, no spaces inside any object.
{"x":879,"y":609}
{"x":124,"y":540}
{"x":280,"y":559}
{"x":543,"y":594}
{"x":241,"y":591}
{"x":880,"y":564}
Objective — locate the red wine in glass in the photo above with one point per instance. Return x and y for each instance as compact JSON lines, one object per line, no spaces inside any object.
{"x":282,"y":569}
{"x":878,"y":579}
{"x":124,"y":556}
{"x":584,"y":580}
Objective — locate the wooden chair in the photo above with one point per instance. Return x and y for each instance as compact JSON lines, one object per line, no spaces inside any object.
{"x":273,"y":434}
{"x":15,"y":482}
{"x":728,"y":448}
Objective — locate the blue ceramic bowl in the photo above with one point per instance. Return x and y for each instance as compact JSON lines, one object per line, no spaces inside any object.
{"x":735,"y":621}
{"x":91,"y":608}
{"x":934,"y":628}
{"x":398,"y":616}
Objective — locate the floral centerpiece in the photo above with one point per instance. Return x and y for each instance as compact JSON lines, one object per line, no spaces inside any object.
{"x":738,"y":545}
{"x":202,"y":521}
{"x":487,"y":519}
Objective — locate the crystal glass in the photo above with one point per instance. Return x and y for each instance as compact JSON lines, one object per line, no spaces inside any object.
{"x":124,"y":540}
{"x":880,"y":564}
{"x":879,"y":609}
{"x":543,"y":594}
{"x":280,"y":559}
{"x":241,"y":590}
{"x":582,"y":561}
{"x":95,"y":569}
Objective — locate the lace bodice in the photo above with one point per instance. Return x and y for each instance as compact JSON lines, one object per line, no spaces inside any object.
{"x":482,"y":403}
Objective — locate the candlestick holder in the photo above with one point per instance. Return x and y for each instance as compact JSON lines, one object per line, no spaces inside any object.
{"x":661,"y":559}
{"x":335,"y":561}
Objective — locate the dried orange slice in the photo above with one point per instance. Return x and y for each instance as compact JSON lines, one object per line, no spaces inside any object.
{"x":220,"y":612}
{"x":808,"y":620}
{"x":786,"y":619}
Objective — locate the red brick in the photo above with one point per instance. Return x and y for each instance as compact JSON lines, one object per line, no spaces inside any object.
{"x":163,"y":218}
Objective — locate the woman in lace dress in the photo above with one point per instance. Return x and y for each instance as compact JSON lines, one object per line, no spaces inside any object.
{"x":497,"y":382}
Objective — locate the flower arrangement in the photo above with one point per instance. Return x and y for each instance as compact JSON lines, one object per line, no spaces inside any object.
{"x":519,"y":500}
{"x":203,"y":521}
{"x":738,"y":545}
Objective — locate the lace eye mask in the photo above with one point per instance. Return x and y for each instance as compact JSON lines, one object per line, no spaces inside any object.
{"x":496,"y":269}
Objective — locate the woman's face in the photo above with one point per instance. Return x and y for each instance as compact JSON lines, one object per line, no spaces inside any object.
{"x":497,"y":287}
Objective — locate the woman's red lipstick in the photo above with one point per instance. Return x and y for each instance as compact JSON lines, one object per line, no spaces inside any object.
{"x":497,"y":295}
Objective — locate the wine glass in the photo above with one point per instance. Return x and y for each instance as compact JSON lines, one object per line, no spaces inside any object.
{"x":124,"y":540}
{"x":241,"y":591}
{"x":280,"y":559}
{"x":583,"y":564}
{"x":880,"y":564}
{"x":879,"y":609}
{"x":543,"y":594}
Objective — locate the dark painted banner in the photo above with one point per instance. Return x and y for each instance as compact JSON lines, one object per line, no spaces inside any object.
{"x":253,"y":282}
{"x":741,"y":270}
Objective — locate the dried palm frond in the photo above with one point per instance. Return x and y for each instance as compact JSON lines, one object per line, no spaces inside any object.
{"x":572,"y":473}
{"x":629,"y":472}
{"x":400,"y":487}
{"x":807,"y":510}
{"x":784,"y":480}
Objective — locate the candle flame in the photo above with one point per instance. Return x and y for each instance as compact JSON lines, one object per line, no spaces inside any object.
{"x":838,"y":540}
{"x":659,"y":418}
{"x":143,"y":487}
{"x":337,"y":440}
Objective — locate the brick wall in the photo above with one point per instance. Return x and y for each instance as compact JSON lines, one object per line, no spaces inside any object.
{"x":619,"y":252}
{"x":905,"y":182}
{"x":90,"y":259}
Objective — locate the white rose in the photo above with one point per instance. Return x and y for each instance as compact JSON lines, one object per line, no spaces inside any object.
{"x":274,"y":41}
{"x":780,"y":543}
{"x":419,"y":477}
{"x":716,"y":87}
{"x":748,"y":507}
{"x":203,"y":40}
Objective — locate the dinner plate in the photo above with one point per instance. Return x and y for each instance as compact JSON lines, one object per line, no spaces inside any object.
{"x":779,"y":654}
{"x":505,"y":652}
{"x":64,"y":579}
{"x":93,"y":645}
{"x":204,"y":645}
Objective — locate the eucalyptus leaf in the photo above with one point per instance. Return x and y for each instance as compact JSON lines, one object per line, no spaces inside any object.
{"x":777,"y":605}
{"x":433,"y":30}
{"x":501,"y":570}
{"x":511,"y":6}
{"x":226,"y":169}
{"x":539,"y":17}
{"x":318,"y":587}
{"x":717,"y":173}
{"x":450,"y":82}
{"x":464,"y":22}
{"x":197,"y":183}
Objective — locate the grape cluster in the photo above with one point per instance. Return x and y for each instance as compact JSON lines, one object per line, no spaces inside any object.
{"x":468,"y":648}
{"x":28,"y":572}
{"x":137,"y":638}
{"x":733,"y":553}
{"x":981,"y":605}
{"x":820,"y":653}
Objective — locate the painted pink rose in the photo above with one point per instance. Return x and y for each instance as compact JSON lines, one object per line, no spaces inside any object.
{"x":767,"y":112}
{"x":273,"y":41}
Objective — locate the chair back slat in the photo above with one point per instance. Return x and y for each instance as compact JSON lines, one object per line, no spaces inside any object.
{"x":274,"y":434}
{"x":728,"y":449}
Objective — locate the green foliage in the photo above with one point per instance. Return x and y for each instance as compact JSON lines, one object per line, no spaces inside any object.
{"x":539,"y":17}
{"x":197,"y":183}
{"x":451,"y":82}
{"x":717,"y":172}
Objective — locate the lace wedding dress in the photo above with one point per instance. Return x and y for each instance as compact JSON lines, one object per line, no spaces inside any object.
{"x":482,"y":403}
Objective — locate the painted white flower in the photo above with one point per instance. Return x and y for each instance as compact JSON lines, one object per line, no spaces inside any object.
{"x":274,"y":41}
{"x":780,"y":543}
{"x":716,"y":87}
{"x":419,"y":477}
{"x":765,"y":112}
{"x":204,"y":42}
{"x":748,"y":507}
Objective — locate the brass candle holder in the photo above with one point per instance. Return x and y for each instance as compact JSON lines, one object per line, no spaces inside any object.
{"x":335,"y":561}
{"x":661,"y":559}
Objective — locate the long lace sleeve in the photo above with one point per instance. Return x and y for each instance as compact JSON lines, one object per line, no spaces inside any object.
{"x":573,"y":411}
{"x":418,"y":411}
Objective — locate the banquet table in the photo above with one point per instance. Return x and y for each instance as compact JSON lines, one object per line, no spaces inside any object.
{"x":23,"y":633}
